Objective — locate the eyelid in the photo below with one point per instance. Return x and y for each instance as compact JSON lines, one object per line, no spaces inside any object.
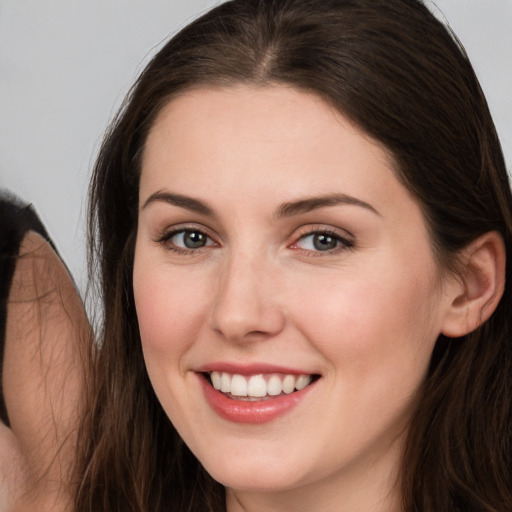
{"x":164,"y":236}
{"x":346,"y":239}
{"x":308,"y":229}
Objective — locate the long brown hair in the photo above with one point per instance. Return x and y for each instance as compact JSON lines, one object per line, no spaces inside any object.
{"x":404,"y":79}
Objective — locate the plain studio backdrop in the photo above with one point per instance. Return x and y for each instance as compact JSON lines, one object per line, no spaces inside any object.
{"x":66,"y":65}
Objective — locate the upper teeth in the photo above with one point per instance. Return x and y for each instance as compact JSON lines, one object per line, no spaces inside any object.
{"x":258,"y":385}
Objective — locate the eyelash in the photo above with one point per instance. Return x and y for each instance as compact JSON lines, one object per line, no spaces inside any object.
{"x":343,"y":243}
{"x":165,"y":238}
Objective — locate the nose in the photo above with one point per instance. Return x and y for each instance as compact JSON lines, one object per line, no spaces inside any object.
{"x":246,"y":306}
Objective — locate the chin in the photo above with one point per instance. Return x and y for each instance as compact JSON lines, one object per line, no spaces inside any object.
{"x":257,"y":477}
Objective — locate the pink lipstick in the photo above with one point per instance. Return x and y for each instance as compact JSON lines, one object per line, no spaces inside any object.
{"x":253,"y":394}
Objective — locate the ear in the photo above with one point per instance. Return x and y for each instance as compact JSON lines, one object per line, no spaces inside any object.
{"x":476,"y":292}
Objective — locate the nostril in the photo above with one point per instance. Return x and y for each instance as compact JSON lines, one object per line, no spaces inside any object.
{"x":256,"y":333}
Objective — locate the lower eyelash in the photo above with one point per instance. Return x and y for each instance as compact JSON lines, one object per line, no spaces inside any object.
{"x":345,"y":242}
{"x":164,"y":238}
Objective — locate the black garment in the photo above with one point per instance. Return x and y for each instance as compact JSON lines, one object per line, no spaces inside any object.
{"x":16,"y":220}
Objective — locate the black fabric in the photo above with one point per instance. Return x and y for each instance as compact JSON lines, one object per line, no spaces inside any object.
{"x":16,"y":220}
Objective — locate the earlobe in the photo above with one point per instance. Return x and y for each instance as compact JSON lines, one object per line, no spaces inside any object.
{"x":479,"y":287}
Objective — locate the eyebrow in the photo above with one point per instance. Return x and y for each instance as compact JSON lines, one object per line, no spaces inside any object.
{"x":186,"y":202}
{"x":312,"y":203}
{"x":287,"y":209}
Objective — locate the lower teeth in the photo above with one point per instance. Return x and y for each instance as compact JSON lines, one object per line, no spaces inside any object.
{"x":250,"y":398}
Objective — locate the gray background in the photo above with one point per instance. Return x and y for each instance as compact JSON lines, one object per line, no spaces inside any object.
{"x":65,"y":66}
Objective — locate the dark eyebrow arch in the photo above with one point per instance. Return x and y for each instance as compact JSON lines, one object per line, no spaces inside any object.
{"x":186,"y":202}
{"x":312,"y":203}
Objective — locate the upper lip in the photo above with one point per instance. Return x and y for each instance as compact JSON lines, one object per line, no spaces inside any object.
{"x":250,"y":369}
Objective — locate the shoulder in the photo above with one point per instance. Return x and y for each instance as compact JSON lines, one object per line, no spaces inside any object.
{"x":44,"y":338}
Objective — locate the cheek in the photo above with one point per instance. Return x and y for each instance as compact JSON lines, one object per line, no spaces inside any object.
{"x":377,"y":323}
{"x":169,"y":310}
{"x":377,"y":336}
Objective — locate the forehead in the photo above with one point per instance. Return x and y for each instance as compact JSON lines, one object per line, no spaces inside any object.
{"x":246,"y":129}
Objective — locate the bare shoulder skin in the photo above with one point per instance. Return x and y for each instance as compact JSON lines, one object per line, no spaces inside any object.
{"x":43,"y":380}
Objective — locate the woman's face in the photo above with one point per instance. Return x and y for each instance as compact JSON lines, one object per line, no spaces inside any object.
{"x":276,"y":250}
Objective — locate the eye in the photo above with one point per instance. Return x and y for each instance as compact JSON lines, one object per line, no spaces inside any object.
{"x":323,"y":241}
{"x":184,"y":240}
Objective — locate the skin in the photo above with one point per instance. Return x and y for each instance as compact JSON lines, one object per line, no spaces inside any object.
{"x":43,"y":381}
{"x":364,"y":316}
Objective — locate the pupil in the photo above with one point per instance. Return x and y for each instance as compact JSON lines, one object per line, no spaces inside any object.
{"x":194,"y":239}
{"x":324,"y":242}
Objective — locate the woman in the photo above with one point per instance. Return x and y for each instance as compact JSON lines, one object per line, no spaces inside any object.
{"x":302,"y":221}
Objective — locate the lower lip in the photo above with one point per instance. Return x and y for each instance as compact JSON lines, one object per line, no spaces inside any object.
{"x":257,"y":412}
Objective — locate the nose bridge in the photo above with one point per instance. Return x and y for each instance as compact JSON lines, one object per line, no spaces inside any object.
{"x":245,"y":306}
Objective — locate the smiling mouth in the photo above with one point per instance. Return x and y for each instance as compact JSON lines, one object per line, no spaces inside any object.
{"x":258,"y":387}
